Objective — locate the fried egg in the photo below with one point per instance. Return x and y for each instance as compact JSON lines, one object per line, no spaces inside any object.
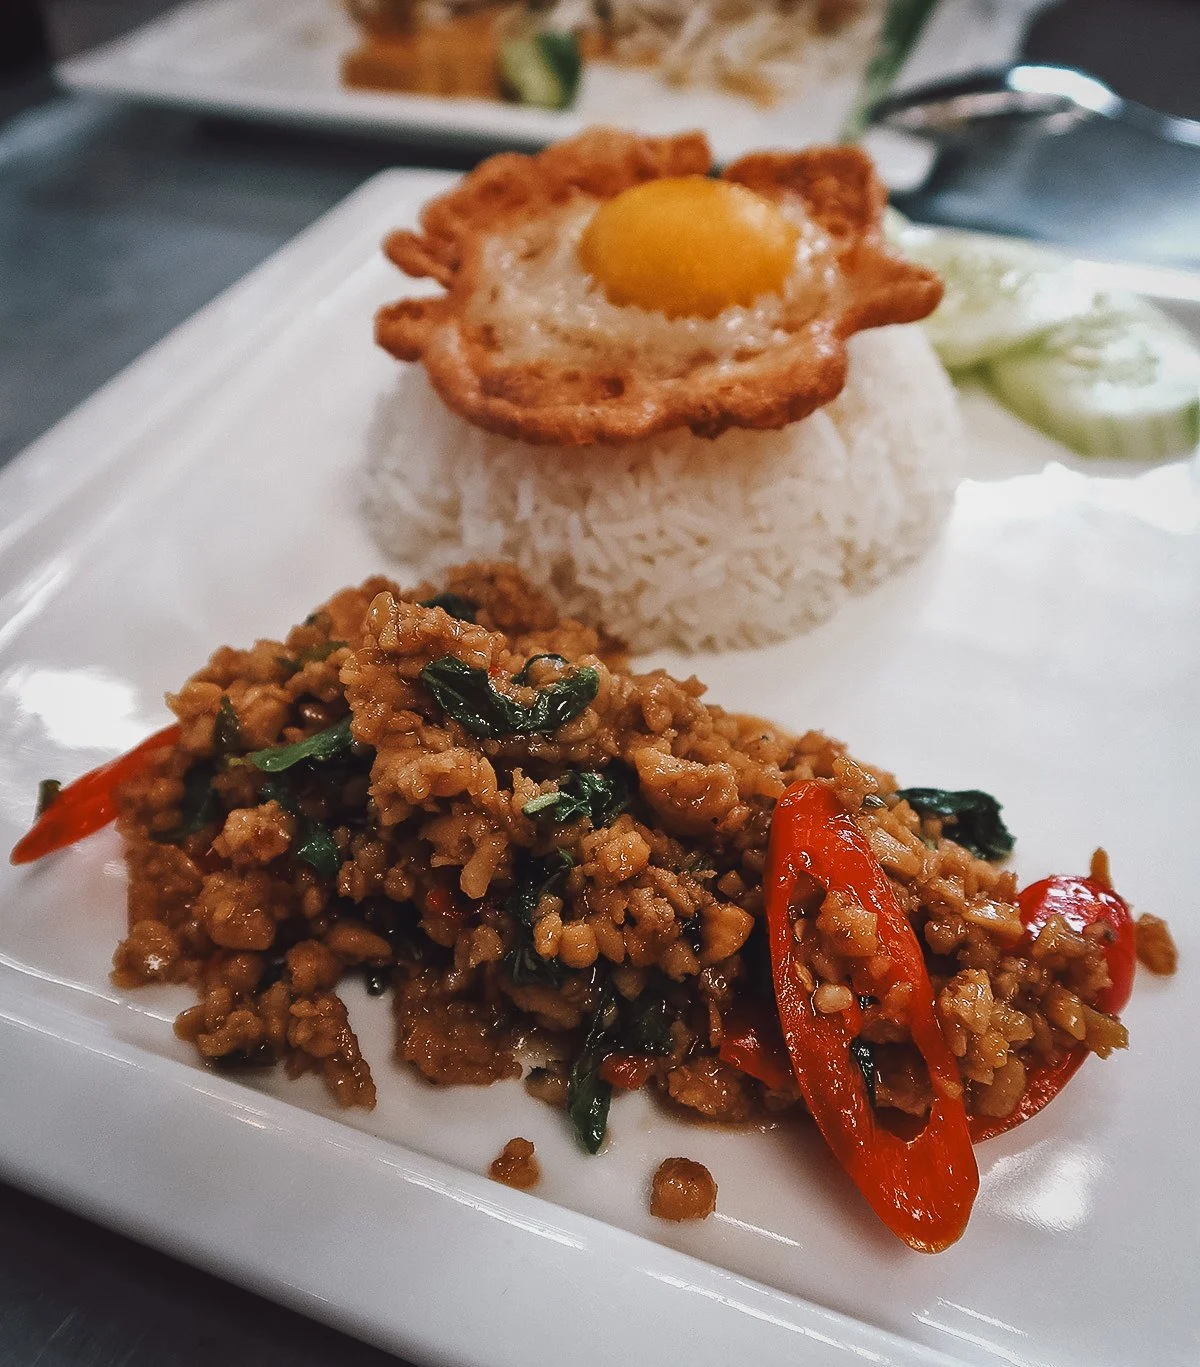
{"x":612,"y":288}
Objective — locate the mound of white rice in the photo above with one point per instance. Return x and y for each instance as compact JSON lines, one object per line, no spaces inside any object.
{"x":681,"y":541}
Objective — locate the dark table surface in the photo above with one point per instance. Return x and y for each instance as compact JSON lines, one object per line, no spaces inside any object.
{"x":117,"y":223}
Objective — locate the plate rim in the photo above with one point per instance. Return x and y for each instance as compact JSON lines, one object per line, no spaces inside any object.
{"x":130,"y":1097}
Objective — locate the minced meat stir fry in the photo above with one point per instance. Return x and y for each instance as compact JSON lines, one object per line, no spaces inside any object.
{"x":474,"y":805}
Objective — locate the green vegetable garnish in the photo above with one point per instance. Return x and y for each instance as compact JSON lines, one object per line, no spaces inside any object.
{"x":543,"y":69}
{"x":466,"y":694}
{"x":650,"y":1030}
{"x":588,"y":1095}
{"x":335,"y":740}
{"x":313,"y":842}
{"x":903,"y":21}
{"x":863,"y":1054}
{"x":973,"y":818}
{"x":534,"y":878}
{"x":198,"y":807}
{"x":601,"y":797}
{"x":454,"y":604}
{"x":316,"y":846}
{"x":48,"y":790}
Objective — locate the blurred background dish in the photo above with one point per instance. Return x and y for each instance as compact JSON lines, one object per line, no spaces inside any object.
{"x":746,"y":87}
{"x":766,"y":51}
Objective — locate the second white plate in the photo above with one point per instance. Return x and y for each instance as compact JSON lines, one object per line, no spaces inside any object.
{"x":266,"y":59}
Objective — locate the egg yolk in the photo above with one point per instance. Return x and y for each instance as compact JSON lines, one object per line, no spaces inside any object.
{"x":688,"y":246}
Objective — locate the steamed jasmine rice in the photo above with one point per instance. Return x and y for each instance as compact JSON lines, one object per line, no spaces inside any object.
{"x":681,"y":540}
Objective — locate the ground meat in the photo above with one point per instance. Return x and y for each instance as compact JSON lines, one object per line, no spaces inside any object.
{"x":516,"y":1165}
{"x":548,"y":1085}
{"x":714,"y":1089}
{"x":1155,"y":947}
{"x":682,"y":1190}
{"x":447,"y":1036}
{"x":406,"y":853}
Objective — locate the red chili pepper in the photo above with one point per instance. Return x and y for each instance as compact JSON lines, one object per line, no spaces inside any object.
{"x":440,"y":902}
{"x":922,"y":1189}
{"x":1080,"y":902}
{"x":88,"y":804}
{"x":751,"y":1041}
{"x":627,"y":1071}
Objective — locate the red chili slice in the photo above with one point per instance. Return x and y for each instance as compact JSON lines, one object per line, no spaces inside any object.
{"x":1081,"y":903}
{"x":751,"y":1041}
{"x":922,"y":1189}
{"x":88,"y":804}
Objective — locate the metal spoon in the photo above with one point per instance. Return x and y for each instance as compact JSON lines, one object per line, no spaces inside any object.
{"x":1057,"y":98}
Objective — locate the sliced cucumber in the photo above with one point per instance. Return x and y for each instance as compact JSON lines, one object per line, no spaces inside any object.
{"x":999,"y":294}
{"x":1121,"y":381}
{"x":543,"y":69}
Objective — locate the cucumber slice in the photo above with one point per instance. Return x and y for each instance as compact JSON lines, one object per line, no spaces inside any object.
{"x":1122,"y":381}
{"x":999,"y":294}
{"x":543,"y":69}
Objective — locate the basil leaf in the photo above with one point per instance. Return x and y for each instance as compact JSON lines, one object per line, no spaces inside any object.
{"x":454,"y":604}
{"x":227,"y":730}
{"x":466,"y":694}
{"x":864,"y":1055}
{"x":328,"y":744}
{"x":588,"y":1095}
{"x":48,"y":791}
{"x":588,"y":1100}
{"x":650,"y":1030}
{"x":973,"y":818}
{"x":601,"y":797}
{"x":525,"y":966}
{"x":198,"y":806}
{"x":534,"y":879}
{"x":313,"y":842}
{"x":279,"y":790}
{"x":316,"y":846}
{"x":698,"y":866}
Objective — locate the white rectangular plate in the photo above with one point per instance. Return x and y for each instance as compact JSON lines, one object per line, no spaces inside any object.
{"x":278,"y":60}
{"x":1046,"y":651}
